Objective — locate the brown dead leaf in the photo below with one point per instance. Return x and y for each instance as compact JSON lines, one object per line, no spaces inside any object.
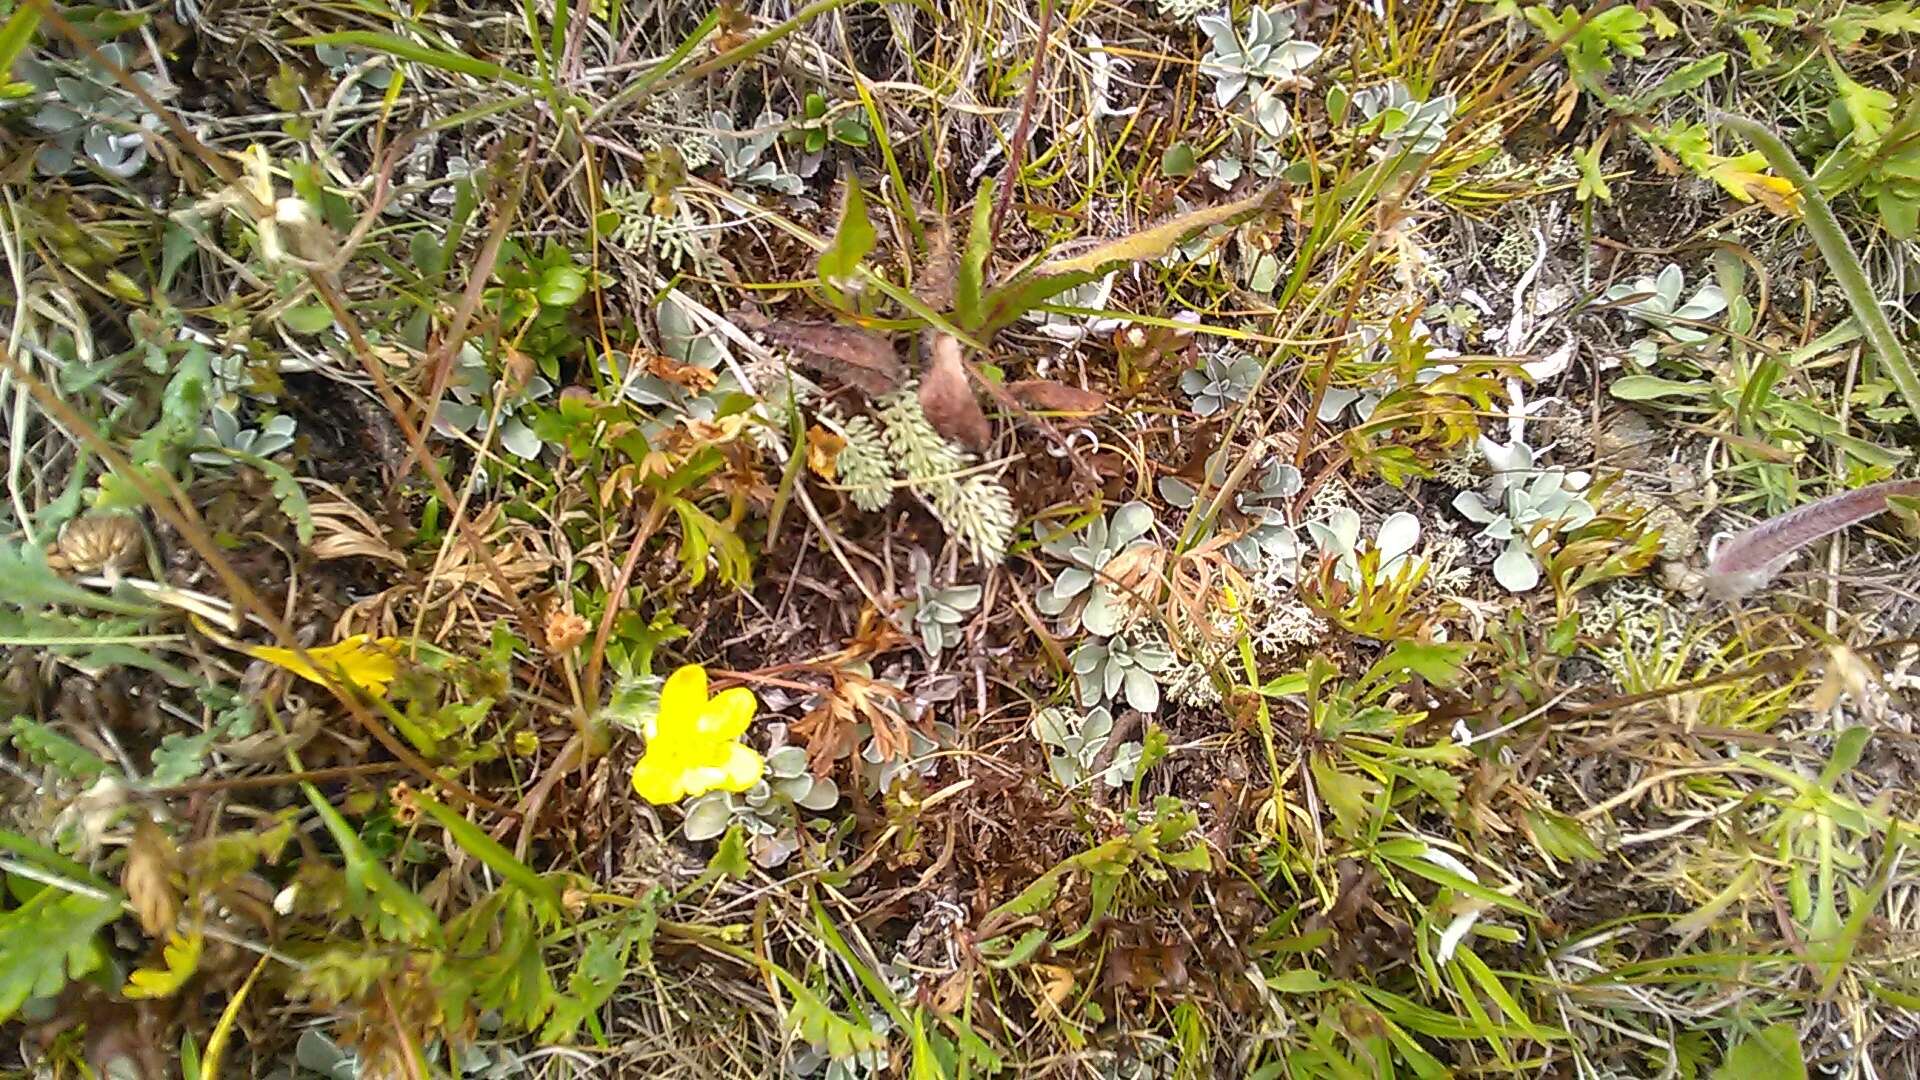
{"x":1056,"y":983}
{"x":829,"y":729}
{"x":691,"y":377}
{"x":148,"y":879}
{"x":933,"y":286}
{"x":860,"y":358}
{"x":1045,"y":395}
{"x":823,"y":452}
{"x":947,"y":398}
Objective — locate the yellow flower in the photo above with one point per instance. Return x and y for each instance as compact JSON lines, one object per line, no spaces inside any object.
{"x":368,"y":663}
{"x":693,"y":742}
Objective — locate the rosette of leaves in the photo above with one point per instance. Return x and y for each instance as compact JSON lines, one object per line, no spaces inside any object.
{"x":1402,"y":123}
{"x":1266,"y":538}
{"x":768,"y":811}
{"x":1339,"y":538}
{"x":1521,"y":499}
{"x":469,"y":404}
{"x":938,"y":612}
{"x":1121,"y":668}
{"x":1264,"y":48}
{"x":1087,"y":599}
{"x":1223,"y":379}
{"x":1657,"y":303}
{"x":1075,"y":742}
{"x":223,"y":432}
{"x":86,"y":117}
{"x":743,"y":154}
{"x":683,"y":341}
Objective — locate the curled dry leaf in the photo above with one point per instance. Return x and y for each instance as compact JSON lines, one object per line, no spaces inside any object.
{"x":148,"y":879}
{"x":823,"y":452}
{"x":860,"y":358}
{"x":1045,"y":395}
{"x":947,"y":397}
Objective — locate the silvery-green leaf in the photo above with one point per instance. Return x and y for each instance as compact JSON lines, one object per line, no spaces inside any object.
{"x":1130,"y":523}
{"x":1089,"y":657}
{"x":1473,"y":507}
{"x":1515,"y":569}
{"x":1291,"y":57}
{"x":1228,"y":87}
{"x":1051,"y":601}
{"x":707,"y":816}
{"x":455,"y":417}
{"x":786,"y":762}
{"x":1071,"y":582}
{"x":1335,"y":402}
{"x":961,"y":597}
{"x":1143,"y":693}
{"x":1343,"y":524}
{"x":1096,"y":727}
{"x":1124,"y":765}
{"x":1266,"y":273}
{"x":519,"y":439}
{"x":1399,"y":534}
{"x":1064,"y":770}
{"x":1106,"y":609}
{"x":1270,"y":113}
{"x":822,"y":796}
{"x":1667,"y":286}
{"x":1177,"y":492}
{"x":1153,"y":656}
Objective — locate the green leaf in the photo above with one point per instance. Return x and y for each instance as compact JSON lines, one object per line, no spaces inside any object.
{"x":47,"y":748}
{"x":603,"y":966}
{"x":1561,"y":837}
{"x":1022,"y":951}
{"x":840,"y":262}
{"x":16,"y":35}
{"x":405,"y":49}
{"x":1869,"y":110}
{"x":307,"y":318}
{"x":477,"y":843}
{"x":561,"y":286}
{"x":1301,"y":981}
{"x":1593,"y":181}
{"x":1772,"y":1053}
{"x":1655,"y":388}
{"x":1439,"y":662}
{"x":730,"y":856}
{"x":1686,"y":78}
{"x":286,"y":490}
{"x":1178,"y":161}
{"x":972,"y":273}
{"x":49,"y":939}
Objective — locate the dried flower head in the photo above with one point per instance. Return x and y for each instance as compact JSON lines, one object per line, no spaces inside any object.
{"x":100,"y":542}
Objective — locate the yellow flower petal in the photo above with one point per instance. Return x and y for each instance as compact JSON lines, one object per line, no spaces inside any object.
{"x":743,"y":769}
{"x":693,"y":743}
{"x":657,"y":780}
{"x":729,"y":713}
{"x":363,"y":662}
{"x":682,"y":700}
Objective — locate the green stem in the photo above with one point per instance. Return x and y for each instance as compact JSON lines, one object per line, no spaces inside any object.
{"x":1846,"y":266}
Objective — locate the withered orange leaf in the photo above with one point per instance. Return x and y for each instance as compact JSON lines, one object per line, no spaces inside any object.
{"x":947,"y":398}
{"x":1046,"y":395}
{"x":823,"y":451}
